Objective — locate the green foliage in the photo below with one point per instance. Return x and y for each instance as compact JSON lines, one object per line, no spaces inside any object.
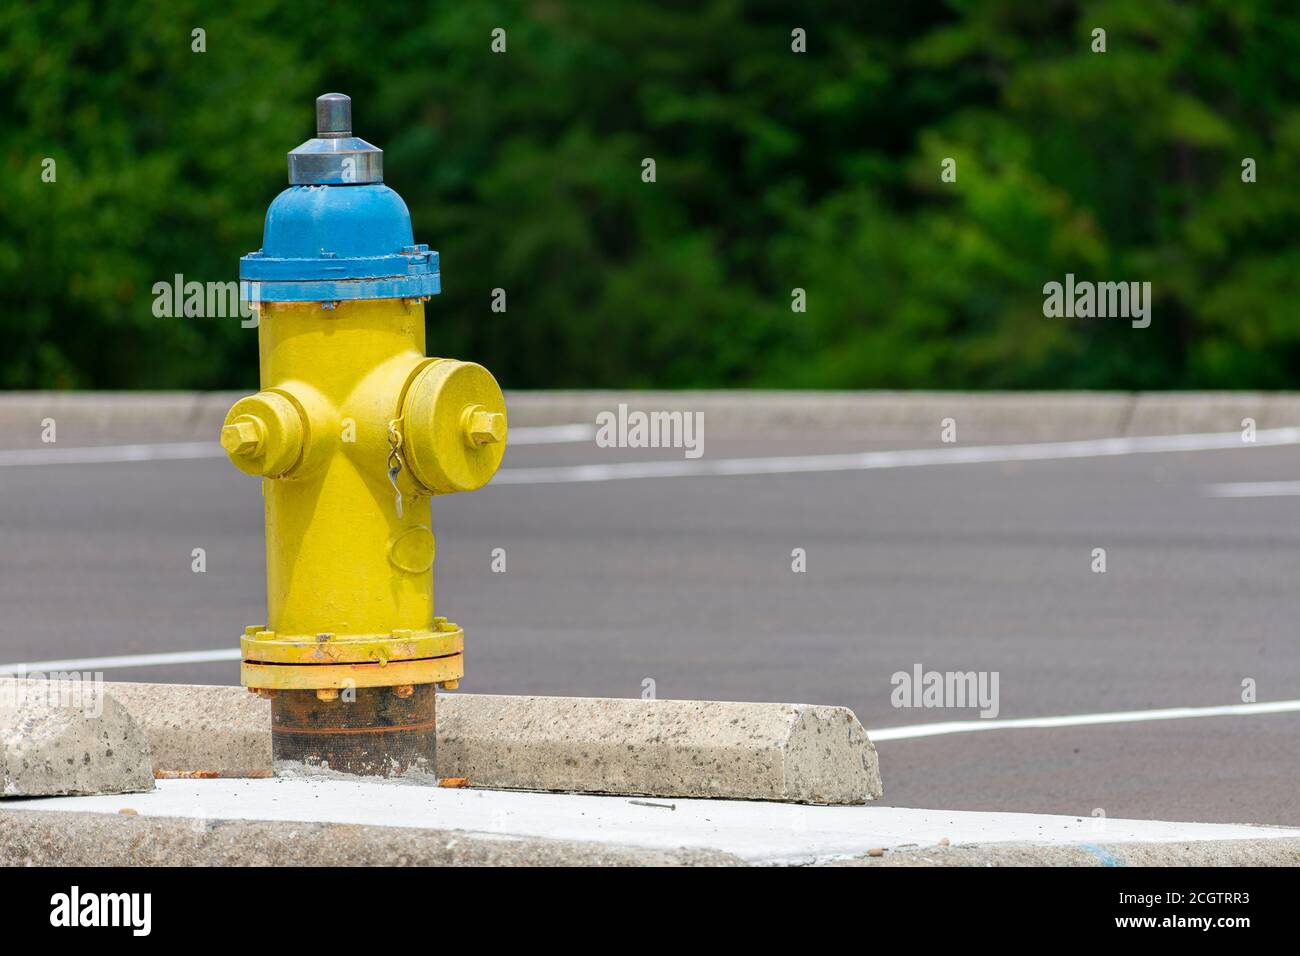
{"x":775,"y":170}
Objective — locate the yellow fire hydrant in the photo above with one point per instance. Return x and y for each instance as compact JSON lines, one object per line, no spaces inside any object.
{"x":353,"y":432}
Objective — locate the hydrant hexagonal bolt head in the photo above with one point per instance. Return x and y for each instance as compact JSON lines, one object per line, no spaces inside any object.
{"x":264,"y":434}
{"x":483,"y":427}
{"x":243,"y":436}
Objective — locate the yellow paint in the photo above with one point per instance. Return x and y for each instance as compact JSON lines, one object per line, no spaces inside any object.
{"x":271,"y":649}
{"x":439,"y":670}
{"x":349,"y":580}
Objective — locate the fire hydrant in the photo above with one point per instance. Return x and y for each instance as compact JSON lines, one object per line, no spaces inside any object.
{"x":353,"y":432}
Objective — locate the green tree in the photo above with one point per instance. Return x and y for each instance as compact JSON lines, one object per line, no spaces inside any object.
{"x":775,"y":170}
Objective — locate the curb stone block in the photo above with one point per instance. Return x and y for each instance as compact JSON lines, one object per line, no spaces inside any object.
{"x":69,"y":738}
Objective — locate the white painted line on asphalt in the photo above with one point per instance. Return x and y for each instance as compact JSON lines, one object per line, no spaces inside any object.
{"x":904,"y":458}
{"x":753,"y":830}
{"x":189,"y":450}
{"x":105,"y":454}
{"x":937,"y":729}
{"x":1253,"y":489}
{"x":124,"y":660}
{"x":551,"y":434}
{"x":721,"y":467}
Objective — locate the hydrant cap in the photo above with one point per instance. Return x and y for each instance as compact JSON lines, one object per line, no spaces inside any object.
{"x":329,"y":238}
{"x":335,"y":157}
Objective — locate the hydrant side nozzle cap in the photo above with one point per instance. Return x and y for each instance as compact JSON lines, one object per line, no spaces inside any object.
{"x":455,"y":431}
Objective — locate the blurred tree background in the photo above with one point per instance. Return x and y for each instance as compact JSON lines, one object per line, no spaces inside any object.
{"x":775,"y":170}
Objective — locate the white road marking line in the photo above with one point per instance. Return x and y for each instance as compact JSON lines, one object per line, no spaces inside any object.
{"x":905,"y":458}
{"x":189,"y":450}
{"x":104,"y":454}
{"x":551,"y":434}
{"x":1082,"y":720}
{"x":687,"y":468}
{"x":1253,"y":489}
{"x":123,"y":660}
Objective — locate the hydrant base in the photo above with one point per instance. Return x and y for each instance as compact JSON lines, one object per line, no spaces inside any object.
{"x":372,"y":731}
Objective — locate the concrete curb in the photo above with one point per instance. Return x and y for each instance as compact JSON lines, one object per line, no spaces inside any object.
{"x":668,"y":748}
{"x":793,"y":753}
{"x":51,"y":838}
{"x":69,"y":738}
{"x":1275,"y":852}
{"x":64,"y":838}
{"x":89,"y":417}
{"x":217,"y":730}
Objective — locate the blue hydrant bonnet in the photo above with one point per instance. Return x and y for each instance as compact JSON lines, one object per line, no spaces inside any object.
{"x":337,"y":232}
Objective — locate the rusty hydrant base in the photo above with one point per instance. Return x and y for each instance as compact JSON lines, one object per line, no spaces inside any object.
{"x":369,"y":731}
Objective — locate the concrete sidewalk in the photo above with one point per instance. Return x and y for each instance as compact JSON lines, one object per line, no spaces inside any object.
{"x":220,"y":822}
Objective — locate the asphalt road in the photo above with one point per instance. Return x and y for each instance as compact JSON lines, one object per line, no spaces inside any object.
{"x":687,"y":581}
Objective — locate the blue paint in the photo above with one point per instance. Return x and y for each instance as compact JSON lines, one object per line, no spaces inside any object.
{"x":330,"y":243}
{"x":1103,"y":856}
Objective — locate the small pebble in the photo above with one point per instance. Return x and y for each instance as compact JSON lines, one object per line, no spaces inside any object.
{"x":875,"y":851}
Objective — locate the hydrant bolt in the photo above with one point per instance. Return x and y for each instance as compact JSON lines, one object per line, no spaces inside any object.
{"x":243,"y":436}
{"x":483,"y":427}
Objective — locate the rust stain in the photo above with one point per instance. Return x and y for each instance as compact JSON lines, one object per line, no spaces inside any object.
{"x":186,"y":774}
{"x":211,"y":775}
{"x":281,"y":729}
